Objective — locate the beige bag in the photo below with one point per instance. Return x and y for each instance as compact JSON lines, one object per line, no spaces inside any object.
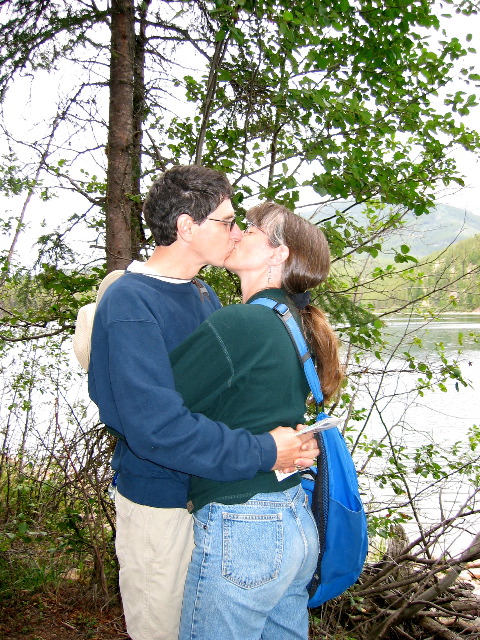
{"x":84,"y":324}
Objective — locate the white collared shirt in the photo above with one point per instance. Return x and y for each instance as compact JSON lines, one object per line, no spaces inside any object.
{"x":140,"y":267}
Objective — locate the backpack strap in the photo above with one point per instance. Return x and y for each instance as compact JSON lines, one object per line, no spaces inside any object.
{"x":320,"y":492}
{"x":202,"y":289}
{"x":304,"y":355}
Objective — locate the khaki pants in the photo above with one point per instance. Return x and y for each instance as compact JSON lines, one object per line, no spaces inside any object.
{"x":154,"y":547}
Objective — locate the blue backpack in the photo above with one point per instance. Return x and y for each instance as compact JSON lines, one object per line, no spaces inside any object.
{"x":332,"y":489}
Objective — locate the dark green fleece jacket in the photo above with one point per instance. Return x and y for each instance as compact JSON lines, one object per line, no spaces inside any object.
{"x":240,"y":367}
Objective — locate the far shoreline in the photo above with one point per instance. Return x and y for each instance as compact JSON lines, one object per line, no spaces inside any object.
{"x":417,"y":315}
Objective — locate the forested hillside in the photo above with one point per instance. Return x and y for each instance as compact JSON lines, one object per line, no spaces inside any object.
{"x":452,"y":274}
{"x":434,"y":231}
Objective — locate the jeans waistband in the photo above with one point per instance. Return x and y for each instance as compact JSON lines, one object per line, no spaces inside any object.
{"x":279,"y":498}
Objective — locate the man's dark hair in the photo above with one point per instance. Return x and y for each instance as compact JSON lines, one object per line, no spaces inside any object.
{"x":184,"y":189}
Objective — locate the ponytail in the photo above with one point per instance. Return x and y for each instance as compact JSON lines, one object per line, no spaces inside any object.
{"x":325,"y":349}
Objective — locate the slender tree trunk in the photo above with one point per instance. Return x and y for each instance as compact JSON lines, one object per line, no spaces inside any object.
{"x":120,"y":136}
{"x":137,"y":232}
{"x":215,"y":64}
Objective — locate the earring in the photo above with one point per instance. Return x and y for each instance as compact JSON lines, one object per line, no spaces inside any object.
{"x":269,"y":275}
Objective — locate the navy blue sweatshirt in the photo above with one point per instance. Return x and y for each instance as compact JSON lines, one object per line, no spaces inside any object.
{"x":139,"y":320}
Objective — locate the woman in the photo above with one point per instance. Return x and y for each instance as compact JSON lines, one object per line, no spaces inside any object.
{"x":256,"y":545}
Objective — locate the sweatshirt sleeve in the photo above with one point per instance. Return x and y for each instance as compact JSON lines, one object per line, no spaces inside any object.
{"x":156,"y":424}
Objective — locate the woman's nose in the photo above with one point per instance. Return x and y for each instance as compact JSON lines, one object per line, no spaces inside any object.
{"x":236,"y":233}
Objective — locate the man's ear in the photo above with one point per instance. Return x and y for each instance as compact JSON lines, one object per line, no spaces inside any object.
{"x":185,"y":227}
{"x":279,"y":255}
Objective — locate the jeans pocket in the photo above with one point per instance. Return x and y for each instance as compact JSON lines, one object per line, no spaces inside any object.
{"x":199,"y":522}
{"x":252,"y":548}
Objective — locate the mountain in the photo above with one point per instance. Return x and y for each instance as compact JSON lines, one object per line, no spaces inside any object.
{"x":425,"y":234}
{"x":443,"y":226}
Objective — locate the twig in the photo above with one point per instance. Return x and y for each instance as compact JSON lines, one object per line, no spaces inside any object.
{"x":405,"y":634}
{"x":442,"y":610}
{"x":69,"y":626}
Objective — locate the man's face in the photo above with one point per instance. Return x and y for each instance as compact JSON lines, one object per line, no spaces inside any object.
{"x":216,"y":237}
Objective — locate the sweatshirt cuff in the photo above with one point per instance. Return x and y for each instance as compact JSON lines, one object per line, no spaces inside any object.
{"x":268,"y":451}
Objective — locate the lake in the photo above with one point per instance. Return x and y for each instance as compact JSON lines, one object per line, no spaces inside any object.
{"x":411,"y":421}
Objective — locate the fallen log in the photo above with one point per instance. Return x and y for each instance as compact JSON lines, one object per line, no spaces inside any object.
{"x":439,"y":630}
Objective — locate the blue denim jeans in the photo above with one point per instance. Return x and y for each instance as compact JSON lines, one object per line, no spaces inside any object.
{"x":250,"y":569}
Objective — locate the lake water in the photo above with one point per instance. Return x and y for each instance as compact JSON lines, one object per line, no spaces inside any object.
{"x":443,"y":418}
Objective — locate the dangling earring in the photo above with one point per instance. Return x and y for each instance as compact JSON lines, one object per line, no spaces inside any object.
{"x":269,"y":276}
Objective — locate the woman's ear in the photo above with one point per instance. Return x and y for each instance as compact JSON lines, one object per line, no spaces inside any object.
{"x":185,"y":224}
{"x":279,"y":255}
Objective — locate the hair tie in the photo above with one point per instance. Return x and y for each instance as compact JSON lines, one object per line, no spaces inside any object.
{"x":301,"y":300}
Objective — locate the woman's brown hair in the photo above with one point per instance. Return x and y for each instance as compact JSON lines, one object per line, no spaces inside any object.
{"x":306,"y":267}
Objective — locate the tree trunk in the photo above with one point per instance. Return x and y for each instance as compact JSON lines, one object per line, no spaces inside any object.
{"x":120,"y":136}
{"x":215,"y":64}
{"x":137,"y":231}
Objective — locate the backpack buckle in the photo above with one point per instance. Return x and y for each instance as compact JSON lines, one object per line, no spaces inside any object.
{"x":282,"y":310}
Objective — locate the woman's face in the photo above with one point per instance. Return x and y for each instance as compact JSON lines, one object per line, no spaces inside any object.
{"x":251,"y":253}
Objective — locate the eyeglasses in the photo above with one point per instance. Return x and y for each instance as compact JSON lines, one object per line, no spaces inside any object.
{"x":245,"y":225}
{"x":230,"y":223}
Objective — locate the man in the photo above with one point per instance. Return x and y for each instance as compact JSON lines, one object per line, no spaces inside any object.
{"x":140,"y":319}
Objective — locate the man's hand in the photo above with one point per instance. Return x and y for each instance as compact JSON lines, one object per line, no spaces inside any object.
{"x":292,"y":450}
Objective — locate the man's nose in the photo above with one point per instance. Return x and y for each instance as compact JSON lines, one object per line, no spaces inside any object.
{"x":236,"y":233}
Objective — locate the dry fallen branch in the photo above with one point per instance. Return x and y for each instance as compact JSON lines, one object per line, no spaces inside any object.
{"x":424,"y":597}
{"x":439,"y":630}
{"x":411,"y":599}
